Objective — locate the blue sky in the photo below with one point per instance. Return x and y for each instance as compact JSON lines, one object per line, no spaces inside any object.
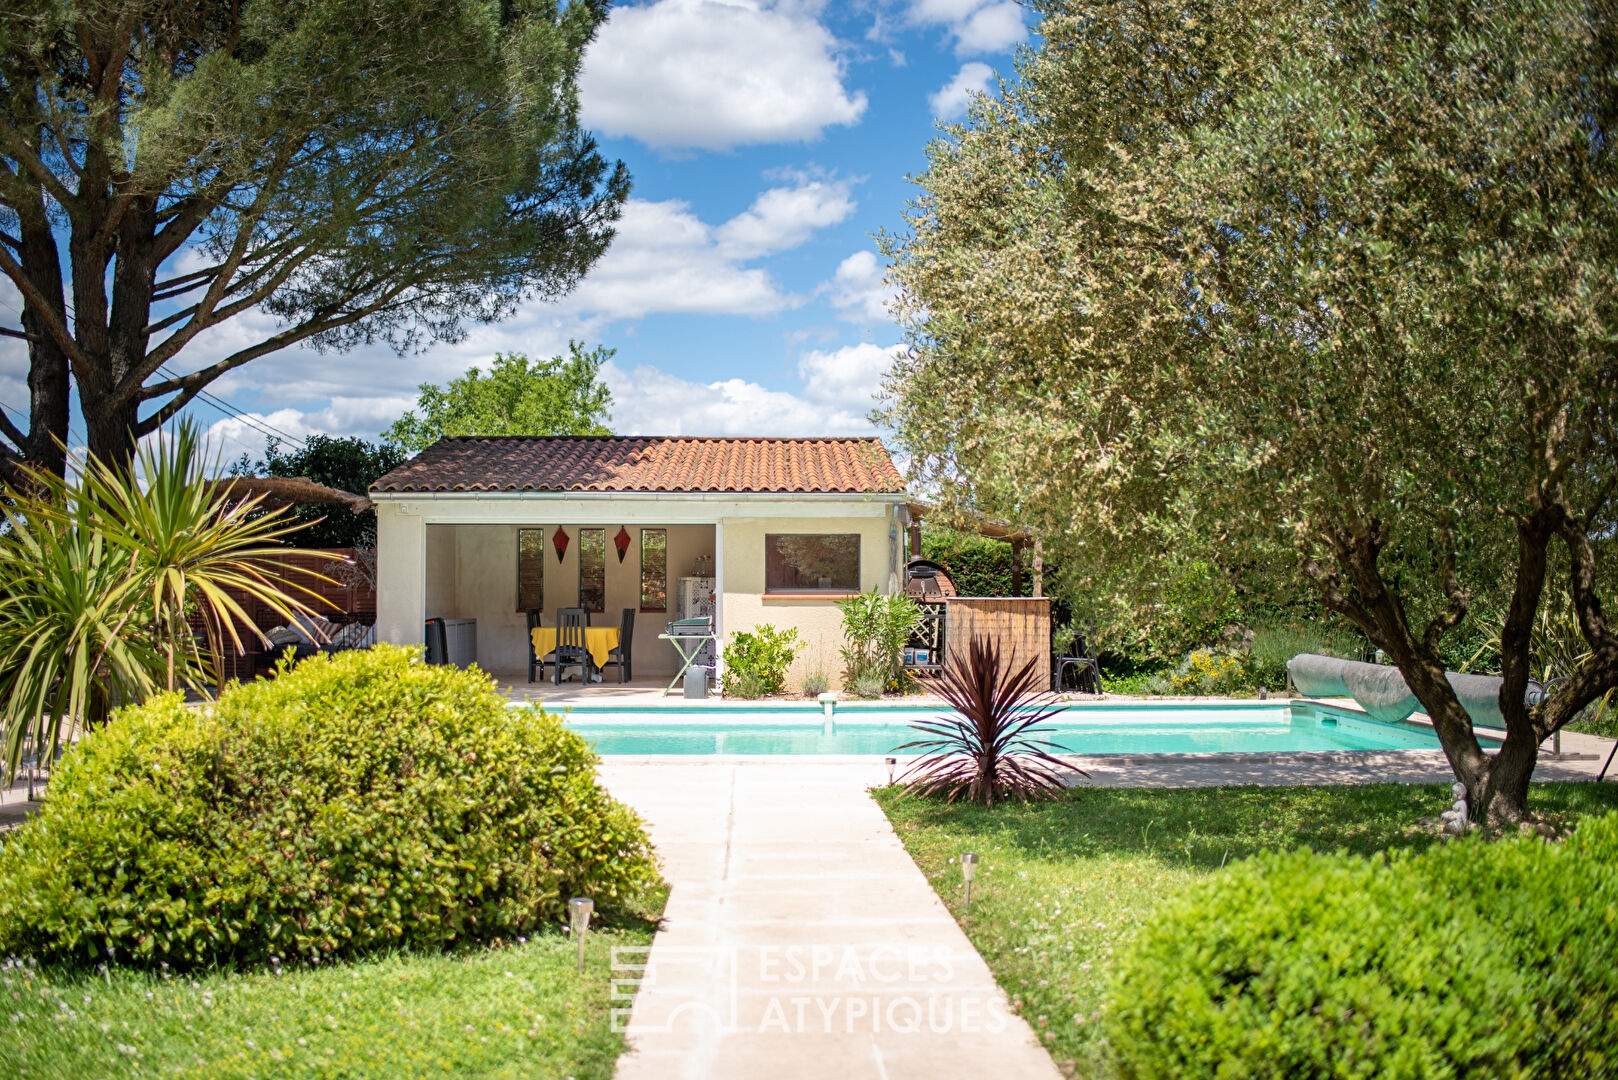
{"x":743,"y":293}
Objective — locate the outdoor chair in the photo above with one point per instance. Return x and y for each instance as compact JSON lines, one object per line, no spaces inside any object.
{"x":620,"y":655}
{"x":1085,"y":670}
{"x":536,"y":663}
{"x":437,"y":642}
{"x":570,"y":650}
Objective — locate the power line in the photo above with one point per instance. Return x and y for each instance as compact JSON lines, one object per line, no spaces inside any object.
{"x":262,"y":426}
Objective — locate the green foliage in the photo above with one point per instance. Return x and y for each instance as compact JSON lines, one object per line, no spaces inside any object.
{"x":867,"y":685}
{"x":876,"y":629}
{"x":978,"y":565}
{"x":747,"y":685}
{"x":356,"y":802}
{"x":1240,"y":669}
{"x":1302,"y":964}
{"x":348,"y":464}
{"x":518,"y":396}
{"x":432,"y":177}
{"x":756,"y":661}
{"x":1273,"y":646}
{"x":1208,"y":295}
{"x":99,"y":574}
{"x":1210,"y":672}
{"x":816,"y":683}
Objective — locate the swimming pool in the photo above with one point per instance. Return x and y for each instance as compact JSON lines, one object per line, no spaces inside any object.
{"x":1137,"y":728}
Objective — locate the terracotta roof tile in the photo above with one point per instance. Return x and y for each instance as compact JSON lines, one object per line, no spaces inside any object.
{"x":647,"y":463}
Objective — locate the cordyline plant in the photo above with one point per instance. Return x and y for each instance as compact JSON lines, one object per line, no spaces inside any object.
{"x":1319,"y":293}
{"x":99,"y":573}
{"x":988,"y":751}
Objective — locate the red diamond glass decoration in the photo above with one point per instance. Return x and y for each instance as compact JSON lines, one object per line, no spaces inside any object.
{"x":621,"y":542}
{"x":559,"y":539}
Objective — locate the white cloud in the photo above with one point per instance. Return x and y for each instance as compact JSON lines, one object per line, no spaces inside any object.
{"x":649,"y":401}
{"x":666,"y":259}
{"x":952,"y":100}
{"x":978,"y":26}
{"x":782,"y":218}
{"x":849,"y":378}
{"x":857,"y":289}
{"x":715,"y":74}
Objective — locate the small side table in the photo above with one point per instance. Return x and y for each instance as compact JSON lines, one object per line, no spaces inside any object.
{"x":689,"y":646}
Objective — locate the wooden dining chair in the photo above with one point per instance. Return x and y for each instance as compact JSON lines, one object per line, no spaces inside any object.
{"x":536,"y":663}
{"x":620,"y":655}
{"x":570,"y":650}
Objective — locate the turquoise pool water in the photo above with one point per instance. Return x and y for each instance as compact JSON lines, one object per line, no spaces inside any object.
{"x":1146,"y":728}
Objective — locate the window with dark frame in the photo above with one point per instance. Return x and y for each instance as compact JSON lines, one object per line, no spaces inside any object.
{"x":593,"y":569}
{"x":530,"y":569}
{"x":654,"y":570}
{"x":798,"y":562}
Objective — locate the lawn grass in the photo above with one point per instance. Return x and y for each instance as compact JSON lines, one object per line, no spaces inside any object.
{"x":512,"y":1012}
{"x":1062,"y":886}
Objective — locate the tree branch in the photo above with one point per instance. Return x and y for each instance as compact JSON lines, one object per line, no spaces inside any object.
{"x":1460,"y":600}
{"x":40,"y":304}
{"x":12,"y":432}
{"x":18,"y":148}
{"x":1592,"y":622}
{"x":188,"y":386}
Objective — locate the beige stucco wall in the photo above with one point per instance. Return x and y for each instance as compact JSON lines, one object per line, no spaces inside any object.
{"x":818,"y":622}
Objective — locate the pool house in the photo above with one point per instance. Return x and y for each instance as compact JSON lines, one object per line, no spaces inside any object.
{"x":493,"y":535}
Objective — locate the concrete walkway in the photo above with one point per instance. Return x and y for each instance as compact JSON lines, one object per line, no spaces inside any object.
{"x":800,"y":940}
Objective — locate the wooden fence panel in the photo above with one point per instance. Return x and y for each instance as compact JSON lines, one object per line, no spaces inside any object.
{"x":1020,"y":624}
{"x":343,"y":599}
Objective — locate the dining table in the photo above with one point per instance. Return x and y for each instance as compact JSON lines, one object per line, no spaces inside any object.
{"x":599,"y":641}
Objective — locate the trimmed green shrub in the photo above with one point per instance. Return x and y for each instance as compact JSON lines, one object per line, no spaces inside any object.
{"x":756,"y":662}
{"x":1473,"y":960}
{"x":356,"y":802}
{"x":977,"y":565}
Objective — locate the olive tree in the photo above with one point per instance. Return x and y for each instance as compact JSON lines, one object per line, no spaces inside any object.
{"x":1211,"y":280}
{"x":357,"y":170}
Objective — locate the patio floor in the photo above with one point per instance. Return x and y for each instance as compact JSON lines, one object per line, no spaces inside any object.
{"x":609,"y":691}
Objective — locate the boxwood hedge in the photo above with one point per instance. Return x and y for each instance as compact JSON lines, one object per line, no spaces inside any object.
{"x":356,"y":802}
{"x":1471,"y":960}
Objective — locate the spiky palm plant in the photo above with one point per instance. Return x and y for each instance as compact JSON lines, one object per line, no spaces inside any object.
{"x":98,"y":573}
{"x":989,"y":751}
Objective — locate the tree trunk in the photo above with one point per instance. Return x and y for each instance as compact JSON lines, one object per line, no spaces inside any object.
{"x":48,"y":385}
{"x":110,"y":427}
{"x":1504,"y":799}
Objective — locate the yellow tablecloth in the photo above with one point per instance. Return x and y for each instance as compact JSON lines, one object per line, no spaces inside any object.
{"x":598,"y":641}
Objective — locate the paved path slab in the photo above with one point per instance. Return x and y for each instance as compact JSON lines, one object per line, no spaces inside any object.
{"x":800,"y":940}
